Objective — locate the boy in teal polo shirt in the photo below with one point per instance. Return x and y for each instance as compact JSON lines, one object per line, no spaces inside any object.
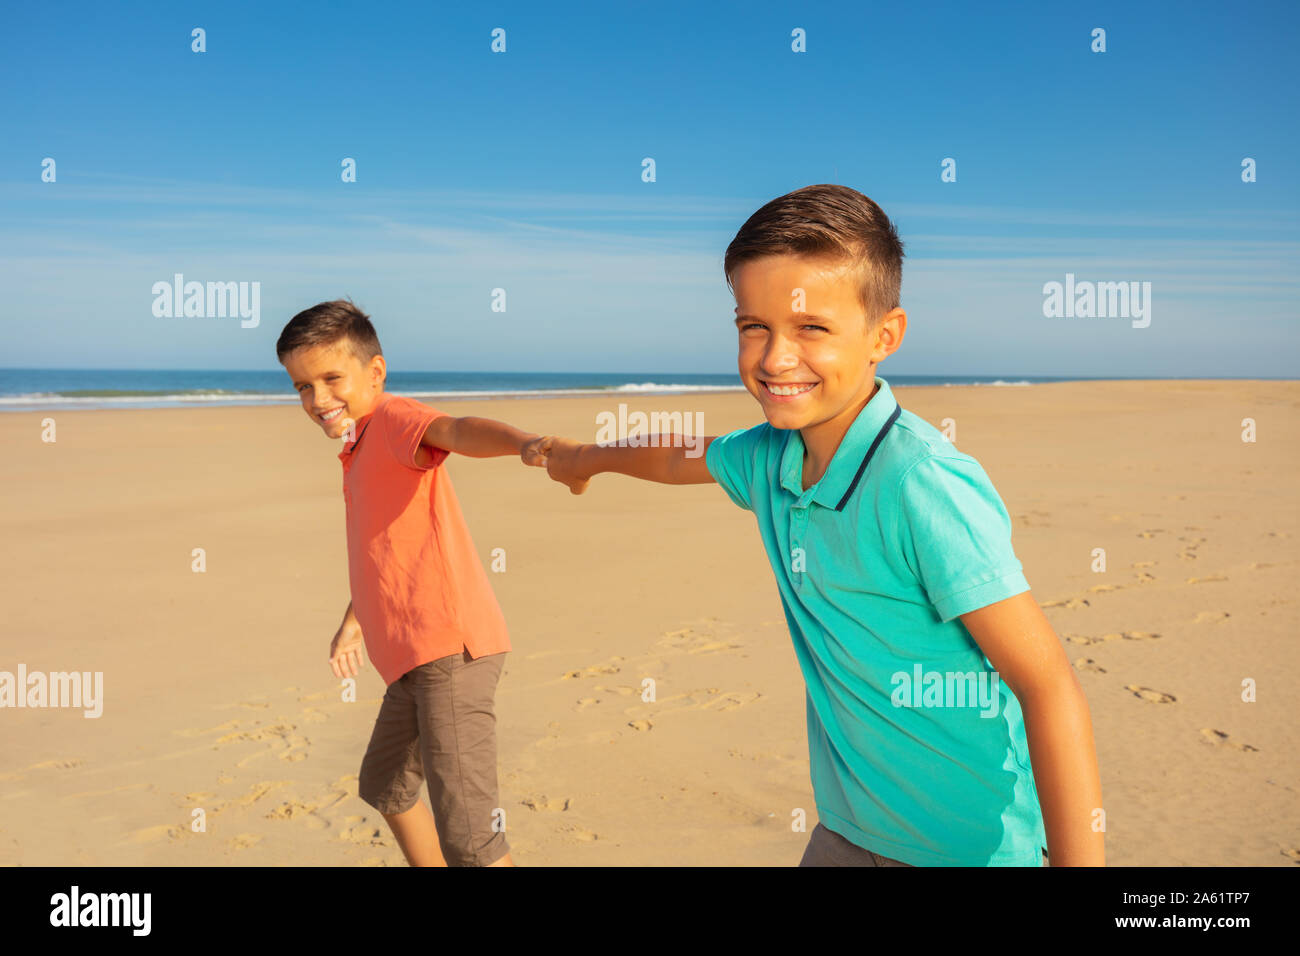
{"x":932,"y":675}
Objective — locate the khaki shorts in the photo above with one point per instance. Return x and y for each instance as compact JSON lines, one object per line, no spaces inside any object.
{"x":437,"y":724}
{"x":828,"y":848}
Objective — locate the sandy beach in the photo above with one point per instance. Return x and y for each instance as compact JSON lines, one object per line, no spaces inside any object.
{"x":217,"y":694}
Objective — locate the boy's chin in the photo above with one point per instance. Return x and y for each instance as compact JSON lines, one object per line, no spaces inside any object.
{"x":787,"y":419}
{"x":334,"y":429}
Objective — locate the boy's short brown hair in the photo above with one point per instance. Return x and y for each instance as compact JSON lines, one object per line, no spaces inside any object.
{"x":833,"y":222}
{"x":326,"y":324}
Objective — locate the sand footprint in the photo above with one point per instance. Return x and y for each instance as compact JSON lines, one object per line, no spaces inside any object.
{"x":688,"y":640}
{"x":166,"y":831}
{"x":580,"y":834}
{"x":640,"y":724}
{"x":1212,"y":577}
{"x":1088,"y":664}
{"x":359,"y":830}
{"x":261,"y":733}
{"x":57,"y":764}
{"x":1123,"y":636}
{"x":593,"y":670}
{"x":548,"y":804}
{"x":1152,"y":696}
{"x":1035,"y":519}
{"x":585,"y":702}
{"x":1210,"y":617}
{"x":700,"y":699}
{"x":297,"y":810}
{"x":732,"y":700}
{"x":1292,"y":854}
{"x":1220,"y":739}
{"x":258,"y":791}
{"x":1151,"y":533}
{"x":294,"y":749}
{"x":1072,"y":603}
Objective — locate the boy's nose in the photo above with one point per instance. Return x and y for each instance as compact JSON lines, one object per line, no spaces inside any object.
{"x":778,"y":357}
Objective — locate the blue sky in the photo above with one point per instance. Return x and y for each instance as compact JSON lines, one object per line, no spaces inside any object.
{"x":522,"y":170}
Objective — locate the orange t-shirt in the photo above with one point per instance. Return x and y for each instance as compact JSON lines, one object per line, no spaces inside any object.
{"x":419,"y":590}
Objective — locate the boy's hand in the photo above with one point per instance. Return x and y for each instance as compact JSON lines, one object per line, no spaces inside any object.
{"x":346,"y":659}
{"x":532,"y":452}
{"x":562,"y":462}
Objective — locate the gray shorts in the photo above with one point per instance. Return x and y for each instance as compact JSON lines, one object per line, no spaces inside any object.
{"x":437,"y":724}
{"x":828,"y":848}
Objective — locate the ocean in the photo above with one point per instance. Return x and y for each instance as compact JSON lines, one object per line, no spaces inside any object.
{"x":24,"y":389}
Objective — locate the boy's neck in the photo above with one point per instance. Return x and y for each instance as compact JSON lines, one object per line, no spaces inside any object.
{"x":374,"y":403}
{"x":820,"y":442}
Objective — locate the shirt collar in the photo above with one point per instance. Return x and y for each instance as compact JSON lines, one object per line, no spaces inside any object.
{"x":849,"y":462}
{"x":360,"y":427}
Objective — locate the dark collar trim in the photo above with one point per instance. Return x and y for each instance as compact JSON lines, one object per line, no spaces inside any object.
{"x":893,"y":417}
{"x":358,"y":441}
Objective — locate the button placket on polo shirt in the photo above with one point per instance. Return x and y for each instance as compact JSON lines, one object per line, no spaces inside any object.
{"x":798,"y":537}
{"x":348,"y":457}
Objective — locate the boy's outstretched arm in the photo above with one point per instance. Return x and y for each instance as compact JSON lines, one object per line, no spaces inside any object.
{"x":483,"y":438}
{"x":1022,"y":647}
{"x":574,"y":463}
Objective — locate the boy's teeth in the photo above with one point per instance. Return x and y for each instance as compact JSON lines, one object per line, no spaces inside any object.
{"x":330,"y":416}
{"x":788,"y":389}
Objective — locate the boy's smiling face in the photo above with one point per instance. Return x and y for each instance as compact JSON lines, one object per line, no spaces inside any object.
{"x":812,"y":370}
{"x":333,"y":385}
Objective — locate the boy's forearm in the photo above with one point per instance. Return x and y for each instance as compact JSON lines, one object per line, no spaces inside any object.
{"x":668,"y":464}
{"x":488,"y":438}
{"x":1058,"y":727}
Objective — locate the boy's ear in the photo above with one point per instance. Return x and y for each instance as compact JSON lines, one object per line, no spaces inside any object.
{"x":889,"y":334}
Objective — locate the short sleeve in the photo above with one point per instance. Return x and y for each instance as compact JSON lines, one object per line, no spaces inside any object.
{"x":732,"y":460}
{"x":405,"y":421}
{"x":955,"y":535}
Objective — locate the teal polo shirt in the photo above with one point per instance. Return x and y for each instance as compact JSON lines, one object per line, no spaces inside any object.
{"x":917,"y":750}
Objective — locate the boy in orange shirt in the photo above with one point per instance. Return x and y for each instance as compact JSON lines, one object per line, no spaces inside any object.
{"x":421,"y":601}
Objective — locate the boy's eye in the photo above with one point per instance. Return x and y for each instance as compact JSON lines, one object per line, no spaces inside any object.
{"x":755,"y":325}
{"x":328,"y":378}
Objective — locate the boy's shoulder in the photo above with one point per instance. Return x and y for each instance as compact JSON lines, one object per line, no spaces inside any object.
{"x":402,"y":421}
{"x":915,"y":440}
{"x":390,"y":405}
{"x":923,"y":470}
{"x":928,"y":481}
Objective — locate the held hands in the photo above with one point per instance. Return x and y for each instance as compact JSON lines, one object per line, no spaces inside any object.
{"x":346,"y":659}
{"x":561,"y":459}
{"x":532,"y":453}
